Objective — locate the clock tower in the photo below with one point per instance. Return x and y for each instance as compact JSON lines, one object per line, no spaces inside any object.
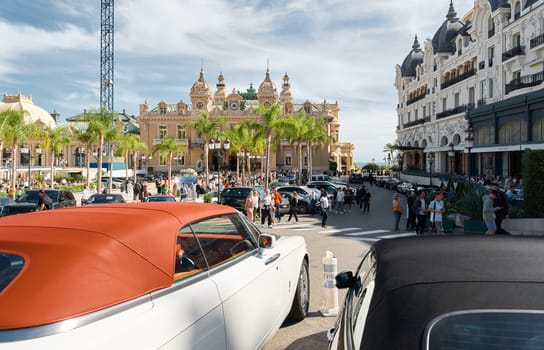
{"x":201,"y":95}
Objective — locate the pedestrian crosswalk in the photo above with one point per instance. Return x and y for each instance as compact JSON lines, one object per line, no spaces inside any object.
{"x":351,"y":232}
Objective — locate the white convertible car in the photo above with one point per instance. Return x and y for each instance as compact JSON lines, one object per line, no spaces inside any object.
{"x":146,"y":276}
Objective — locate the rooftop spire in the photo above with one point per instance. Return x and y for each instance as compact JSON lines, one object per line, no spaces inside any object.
{"x":416,"y":45}
{"x":451,"y":12}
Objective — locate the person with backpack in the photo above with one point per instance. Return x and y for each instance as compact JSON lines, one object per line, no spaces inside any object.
{"x":437,"y":209}
{"x":44,"y":201}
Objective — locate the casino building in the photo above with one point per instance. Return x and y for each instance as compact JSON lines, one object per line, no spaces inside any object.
{"x":165,"y":119}
{"x":471,"y":98}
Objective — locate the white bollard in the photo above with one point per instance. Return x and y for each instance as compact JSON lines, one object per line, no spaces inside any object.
{"x":329,"y":306}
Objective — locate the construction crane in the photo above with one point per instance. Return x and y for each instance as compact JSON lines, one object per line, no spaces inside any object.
{"x":106,"y":55}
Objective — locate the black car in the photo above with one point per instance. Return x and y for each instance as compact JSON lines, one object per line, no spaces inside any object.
{"x":235,"y":197}
{"x":28,"y":202}
{"x":104,"y":198}
{"x":356,"y":178}
{"x":444,"y":292}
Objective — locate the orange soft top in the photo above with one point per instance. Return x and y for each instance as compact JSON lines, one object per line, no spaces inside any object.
{"x":83,"y":259}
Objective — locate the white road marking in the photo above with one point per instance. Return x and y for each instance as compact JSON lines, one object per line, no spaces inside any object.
{"x":363,"y":233}
{"x":406,"y":234}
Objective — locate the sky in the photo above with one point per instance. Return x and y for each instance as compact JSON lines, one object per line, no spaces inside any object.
{"x":333,"y":50}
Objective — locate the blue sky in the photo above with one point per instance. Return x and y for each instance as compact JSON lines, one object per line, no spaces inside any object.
{"x":334,"y":50}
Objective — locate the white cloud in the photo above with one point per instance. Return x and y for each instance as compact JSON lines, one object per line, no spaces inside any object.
{"x":338,"y":50}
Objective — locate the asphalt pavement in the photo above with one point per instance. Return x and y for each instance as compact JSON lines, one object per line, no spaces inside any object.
{"x":348,"y":236}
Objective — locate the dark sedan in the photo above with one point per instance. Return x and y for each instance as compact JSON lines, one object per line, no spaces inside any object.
{"x":28,"y":202}
{"x":444,"y":292}
{"x":105,"y":198}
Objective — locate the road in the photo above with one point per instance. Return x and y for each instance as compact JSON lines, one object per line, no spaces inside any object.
{"x":348,"y":236}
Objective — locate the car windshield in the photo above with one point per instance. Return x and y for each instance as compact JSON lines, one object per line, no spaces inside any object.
{"x":32,"y":196}
{"x":161,"y":199}
{"x":492,"y":330}
{"x":104,"y":199}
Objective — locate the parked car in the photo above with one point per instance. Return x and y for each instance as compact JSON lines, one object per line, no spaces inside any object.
{"x":405,"y":187}
{"x":160,"y":198}
{"x":5,"y":201}
{"x":146,"y":276}
{"x":105,"y":198}
{"x":382,"y":179}
{"x":444,"y":292}
{"x":28,"y":202}
{"x":235,"y":197}
{"x":392,"y":184}
{"x":307,"y":197}
{"x":329,"y":187}
{"x":356,"y":178}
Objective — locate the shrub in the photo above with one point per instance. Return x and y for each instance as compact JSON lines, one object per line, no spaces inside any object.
{"x":208,"y":198}
{"x":470,"y":203}
{"x":533,"y":183}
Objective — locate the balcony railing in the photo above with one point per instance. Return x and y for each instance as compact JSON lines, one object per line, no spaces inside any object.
{"x":415,"y":99}
{"x":416,"y":122}
{"x":524,"y":82}
{"x":481,"y":102}
{"x":516,"y":51}
{"x":458,"y":79}
{"x":450,"y":112}
{"x":178,"y":141}
{"x":537,"y":41}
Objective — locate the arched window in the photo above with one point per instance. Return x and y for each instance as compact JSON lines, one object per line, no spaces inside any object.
{"x":490,"y":27}
{"x":517,"y":10}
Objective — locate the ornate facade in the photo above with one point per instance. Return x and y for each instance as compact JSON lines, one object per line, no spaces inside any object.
{"x":171,"y":120}
{"x":476,"y":87}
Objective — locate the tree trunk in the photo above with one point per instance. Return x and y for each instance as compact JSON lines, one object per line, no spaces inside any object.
{"x":99,"y":164}
{"x":53,"y":158}
{"x":207,"y":172}
{"x":89,"y":153}
{"x":267,"y":166}
{"x":170,"y":185}
{"x":110,"y":182}
{"x":13,"y":167}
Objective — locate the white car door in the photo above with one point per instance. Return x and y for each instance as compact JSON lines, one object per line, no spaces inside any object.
{"x":250,"y":285}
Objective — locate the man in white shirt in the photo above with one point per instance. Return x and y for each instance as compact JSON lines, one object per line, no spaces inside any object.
{"x":324,"y":204}
{"x":85,"y":196}
{"x":265,"y":204}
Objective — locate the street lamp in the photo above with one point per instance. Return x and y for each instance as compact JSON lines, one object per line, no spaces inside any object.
{"x":26,"y":150}
{"x":400,"y":158}
{"x":431,"y":159}
{"x":469,"y":143}
{"x":451,"y":154}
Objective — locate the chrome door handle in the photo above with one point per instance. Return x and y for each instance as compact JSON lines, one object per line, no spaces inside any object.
{"x":272,"y":259}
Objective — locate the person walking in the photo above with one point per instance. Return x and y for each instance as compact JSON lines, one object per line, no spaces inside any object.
{"x":266,"y":206}
{"x":44,"y":201}
{"x":488,"y":212}
{"x":293,"y":208}
{"x":248,"y":205}
{"x":276,"y":197}
{"x":339,"y":208}
{"x":324,"y":205}
{"x":366,"y":200}
{"x":411,"y":222}
{"x":436,"y":209}
{"x":421,"y":213}
{"x":499,"y":202}
{"x":397,"y":210}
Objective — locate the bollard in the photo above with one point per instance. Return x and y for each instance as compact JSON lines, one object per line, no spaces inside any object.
{"x":329,"y":306}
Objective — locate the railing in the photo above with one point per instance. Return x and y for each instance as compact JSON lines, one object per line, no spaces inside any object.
{"x":449,"y":112}
{"x":481,"y":102}
{"x":415,"y":99}
{"x":537,"y":41}
{"x":416,"y":122}
{"x":516,"y":51}
{"x":524,"y":82}
{"x":458,"y":79}
{"x":178,"y":141}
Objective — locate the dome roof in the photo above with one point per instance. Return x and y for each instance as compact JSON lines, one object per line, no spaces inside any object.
{"x":267,"y":86}
{"x":201,"y":85}
{"x":34,"y":115}
{"x":444,"y":39}
{"x":495,"y":4}
{"x":415,"y":57}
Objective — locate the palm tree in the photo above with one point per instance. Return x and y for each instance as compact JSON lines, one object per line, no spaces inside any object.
{"x":316,"y":134}
{"x":98,"y":123}
{"x":295,"y":128}
{"x":129,"y":145}
{"x":209,"y":129}
{"x":13,"y":132}
{"x":269,"y":121}
{"x":112,"y":137}
{"x":167,"y":148}
{"x":243,"y":138}
{"x":54,"y":140}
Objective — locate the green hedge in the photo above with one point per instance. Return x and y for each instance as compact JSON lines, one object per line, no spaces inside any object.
{"x":533,"y":183}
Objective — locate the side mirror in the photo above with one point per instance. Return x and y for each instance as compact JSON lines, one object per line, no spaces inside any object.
{"x":267,"y":241}
{"x":344,"y":280}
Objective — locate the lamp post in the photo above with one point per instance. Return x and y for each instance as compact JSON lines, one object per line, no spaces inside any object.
{"x":431,"y":160}
{"x":400,"y":158}
{"x":469,"y":143}
{"x":451,"y":154}
{"x":26,"y":150}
